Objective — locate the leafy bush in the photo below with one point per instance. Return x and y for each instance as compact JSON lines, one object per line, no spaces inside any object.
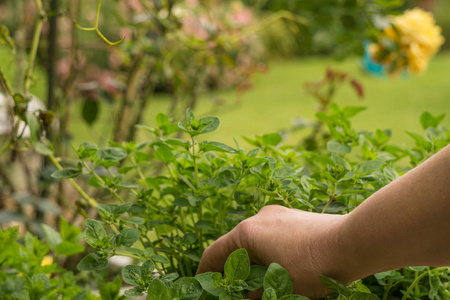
{"x":204,"y":189}
{"x":26,"y":268}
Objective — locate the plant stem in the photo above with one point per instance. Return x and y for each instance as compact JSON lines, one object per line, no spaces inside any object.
{"x":141,"y":175}
{"x":91,"y":171}
{"x":114,"y":229}
{"x":227,"y":203}
{"x":83,"y":194}
{"x":200,"y":206}
{"x":6,"y":147}
{"x":418,"y":278}
{"x":122,"y":253}
{"x":96,"y":29}
{"x":6,"y":83}
{"x":34,"y":47}
{"x":417,"y":288}
{"x":197,"y":179}
{"x":330,"y":200}
{"x":386,"y":291}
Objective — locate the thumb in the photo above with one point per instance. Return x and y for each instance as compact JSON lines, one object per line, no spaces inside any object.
{"x":215,"y":256}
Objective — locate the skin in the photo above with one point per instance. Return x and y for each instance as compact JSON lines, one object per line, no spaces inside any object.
{"x":404,"y":224}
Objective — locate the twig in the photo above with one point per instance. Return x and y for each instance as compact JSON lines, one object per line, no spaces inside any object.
{"x":34,"y":47}
{"x":96,"y":29}
{"x":83,"y":194}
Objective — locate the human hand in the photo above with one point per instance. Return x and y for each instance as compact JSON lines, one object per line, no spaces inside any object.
{"x":304,"y":243}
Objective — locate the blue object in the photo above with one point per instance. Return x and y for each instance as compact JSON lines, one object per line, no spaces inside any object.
{"x":369,"y":65}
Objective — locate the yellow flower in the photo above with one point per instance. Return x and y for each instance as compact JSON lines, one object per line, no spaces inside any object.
{"x":417,"y":38}
{"x":47,"y":261}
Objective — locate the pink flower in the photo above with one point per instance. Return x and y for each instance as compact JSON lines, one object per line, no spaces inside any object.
{"x":243,"y":17}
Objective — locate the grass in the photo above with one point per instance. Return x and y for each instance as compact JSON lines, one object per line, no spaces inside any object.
{"x":277,"y":98}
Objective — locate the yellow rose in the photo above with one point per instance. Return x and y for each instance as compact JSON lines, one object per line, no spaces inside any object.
{"x":419,"y":37}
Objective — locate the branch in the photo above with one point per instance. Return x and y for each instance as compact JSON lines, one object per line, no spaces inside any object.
{"x":96,"y":29}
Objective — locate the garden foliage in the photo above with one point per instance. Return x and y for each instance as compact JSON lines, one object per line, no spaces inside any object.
{"x":163,"y":201}
{"x":206,"y":188}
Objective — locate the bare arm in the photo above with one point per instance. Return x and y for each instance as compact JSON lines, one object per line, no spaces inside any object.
{"x":404,"y":224}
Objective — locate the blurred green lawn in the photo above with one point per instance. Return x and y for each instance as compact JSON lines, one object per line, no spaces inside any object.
{"x":277,"y":98}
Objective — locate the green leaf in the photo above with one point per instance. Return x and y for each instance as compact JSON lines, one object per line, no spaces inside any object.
{"x":95,"y":232}
{"x":205,"y":225}
{"x":351,"y":111}
{"x":189,"y":115}
{"x":237,"y":266}
{"x":227,"y":296}
{"x":131,"y":274}
{"x":254,"y":161}
{"x":361,"y":287}
{"x":44,"y":147}
{"x":271,"y":139}
{"x":121,"y":209}
{"x":420,"y":141}
{"x":92,"y":262}
{"x":69,"y":233}
{"x":278,"y":279}
{"x":160,"y":259}
{"x":382,"y":136}
{"x":134,"y":292}
{"x":181,"y":202}
{"x":340,"y":161}
{"x":368,"y":166}
{"x":53,"y":237}
{"x":428,"y":120}
{"x":269,"y":294}
{"x":334,"y":285}
{"x":95,"y":182}
{"x":211,"y":124}
{"x":390,"y":174}
{"x":336,"y":147}
{"x":127,"y":237}
{"x":177,"y":142}
{"x":110,"y":290}
{"x":207,"y":281}
{"x":169,"y":278}
{"x":255,"y":279}
{"x":164,"y":153}
{"x":283,"y":172}
{"x":35,"y":129}
{"x":363,"y":296}
{"x":162,"y":120}
{"x":86,"y":150}
{"x":186,"y":288}
{"x":90,"y":111}
{"x":157,"y":290}
{"x":435,"y":284}
{"x":66,"y":173}
{"x":135,"y":220}
{"x":216,"y":146}
{"x":111,"y":154}
{"x":5,"y":37}
{"x":106,"y":210}
{"x":147,"y":269}
{"x":69,"y":248}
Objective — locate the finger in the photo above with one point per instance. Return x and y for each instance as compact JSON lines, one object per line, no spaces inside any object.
{"x":215,"y":256}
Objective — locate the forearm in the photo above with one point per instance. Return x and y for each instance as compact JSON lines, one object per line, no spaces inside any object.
{"x":404,"y":224}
